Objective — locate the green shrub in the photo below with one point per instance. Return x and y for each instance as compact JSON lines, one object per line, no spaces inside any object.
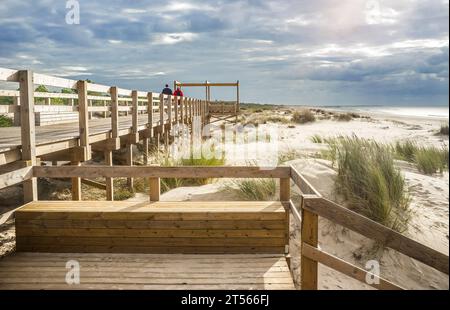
{"x":369,"y":182}
{"x":303,"y":116}
{"x":5,"y":121}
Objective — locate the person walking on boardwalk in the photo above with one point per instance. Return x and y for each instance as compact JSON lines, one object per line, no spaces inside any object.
{"x":167,"y":90}
{"x":178,"y":92}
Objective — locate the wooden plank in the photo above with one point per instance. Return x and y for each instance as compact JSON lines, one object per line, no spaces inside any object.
{"x":309,"y":235}
{"x":94,"y":184}
{"x":15,"y":177}
{"x":303,"y":184}
{"x":378,"y":232}
{"x":152,"y":224}
{"x":158,"y":172}
{"x":346,"y":268}
{"x":60,"y":248}
{"x":175,"y":232}
{"x":28,"y":134}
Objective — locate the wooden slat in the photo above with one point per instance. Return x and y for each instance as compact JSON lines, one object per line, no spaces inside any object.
{"x":147,"y":233}
{"x":147,"y":271}
{"x":303,"y":184}
{"x":153,"y":224}
{"x":346,"y":268}
{"x":378,"y":232}
{"x":168,"y":172}
{"x":15,"y":177}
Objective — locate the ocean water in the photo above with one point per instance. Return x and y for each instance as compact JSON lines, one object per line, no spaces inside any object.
{"x":440,"y":112}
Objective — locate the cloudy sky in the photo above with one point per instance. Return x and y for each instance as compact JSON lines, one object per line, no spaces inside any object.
{"x":324,"y":52}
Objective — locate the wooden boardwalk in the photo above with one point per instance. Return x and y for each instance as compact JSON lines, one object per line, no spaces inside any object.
{"x":38,"y":271}
{"x":47,"y":135}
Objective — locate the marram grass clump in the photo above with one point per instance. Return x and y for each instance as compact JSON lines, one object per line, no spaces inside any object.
{"x":253,"y":189}
{"x":428,"y":160}
{"x":369,"y":182}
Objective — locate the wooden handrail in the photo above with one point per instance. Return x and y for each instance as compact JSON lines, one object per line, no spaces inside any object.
{"x":346,"y":268}
{"x":160,"y":172}
{"x":373,"y":230}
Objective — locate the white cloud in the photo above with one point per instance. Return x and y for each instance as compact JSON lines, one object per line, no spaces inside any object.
{"x":173,"y":38}
{"x":133,"y":11}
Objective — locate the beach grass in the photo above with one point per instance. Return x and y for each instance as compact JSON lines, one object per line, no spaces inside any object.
{"x":253,"y":189}
{"x":443,"y":130}
{"x":428,"y":159}
{"x":369,"y":182}
{"x":317,"y":139}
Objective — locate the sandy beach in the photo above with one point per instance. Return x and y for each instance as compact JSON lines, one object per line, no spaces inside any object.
{"x":429,"y":223}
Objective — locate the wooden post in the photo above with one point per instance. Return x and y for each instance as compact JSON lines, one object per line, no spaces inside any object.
{"x":114,"y":134}
{"x":285,"y":196}
{"x":16,"y":104}
{"x":135,"y":109}
{"x":90,"y":105}
{"x":76,"y":184}
{"x":28,"y":134}
{"x":83,"y":127}
{"x":161,"y":113}
{"x":114,"y":112}
{"x":109,"y":181}
{"x":150,"y":112}
{"x":285,"y":189}
{"x":154,"y":188}
{"x":182,"y":109}
{"x":309,"y":235}
{"x":48,"y":101}
{"x":176,"y":110}
{"x":83,"y":122}
{"x":105,"y":113}
{"x":129,"y":162}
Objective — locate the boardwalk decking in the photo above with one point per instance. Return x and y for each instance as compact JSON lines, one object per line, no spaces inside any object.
{"x":39,"y":271}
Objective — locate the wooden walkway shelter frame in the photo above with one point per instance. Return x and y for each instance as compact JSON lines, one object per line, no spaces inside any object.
{"x":208,"y":86}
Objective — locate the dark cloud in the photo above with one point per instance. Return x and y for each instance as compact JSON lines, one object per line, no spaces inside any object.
{"x":311,"y":52}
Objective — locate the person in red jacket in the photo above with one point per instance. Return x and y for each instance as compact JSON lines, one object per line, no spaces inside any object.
{"x":178,"y":92}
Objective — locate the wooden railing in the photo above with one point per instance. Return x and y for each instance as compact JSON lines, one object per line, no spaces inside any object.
{"x":306,"y":215}
{"x":171,"y":110}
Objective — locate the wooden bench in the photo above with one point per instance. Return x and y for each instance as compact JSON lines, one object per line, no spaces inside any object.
{"x":158,"y":227}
